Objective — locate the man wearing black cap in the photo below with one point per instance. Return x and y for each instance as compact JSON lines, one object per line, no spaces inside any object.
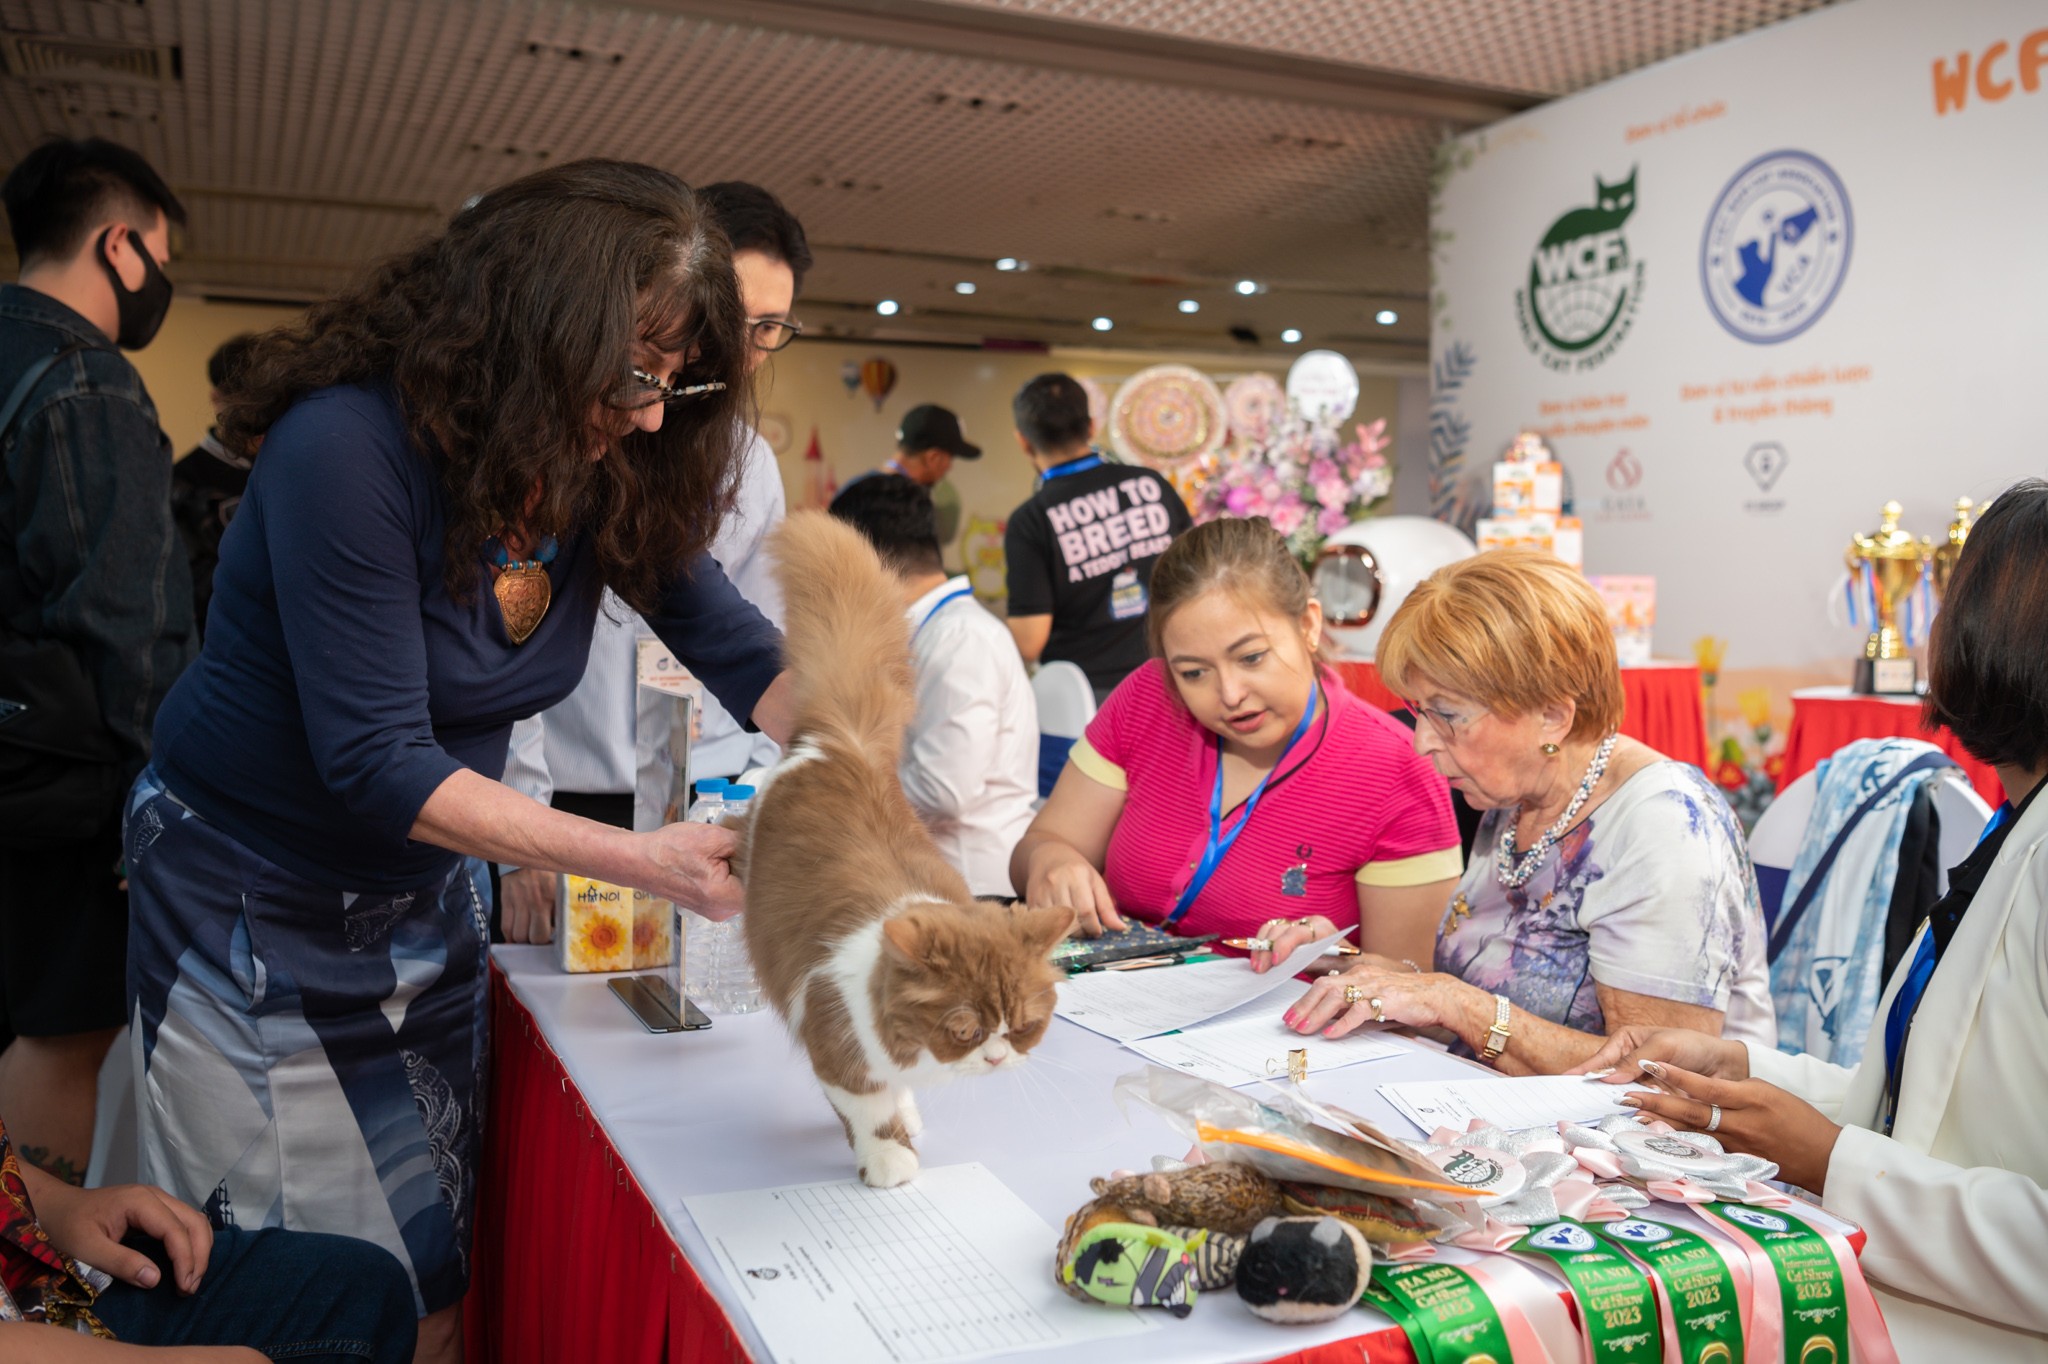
{"x":927,"y":443}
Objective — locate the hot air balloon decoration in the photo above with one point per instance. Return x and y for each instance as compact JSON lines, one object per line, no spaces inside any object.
{"x":878,"y":380}
{"x":849,"y":374}
{"x":819,"y":485}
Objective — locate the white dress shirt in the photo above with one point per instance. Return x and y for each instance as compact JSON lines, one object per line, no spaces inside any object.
{"x":970,"y":760}
{"x":589,"y":742}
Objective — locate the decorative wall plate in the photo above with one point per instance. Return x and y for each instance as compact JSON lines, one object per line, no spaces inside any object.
{"x":1166,"y":416}
{"x":1255,"y":402}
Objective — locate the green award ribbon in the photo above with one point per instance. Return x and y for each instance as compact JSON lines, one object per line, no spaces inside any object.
{"x":1403,"y":1318}
{"x":1616,"y":1303}
{"x":1810,"y":1293}
{"x":1704,"y":1311}
{"x":1446,"y":1314}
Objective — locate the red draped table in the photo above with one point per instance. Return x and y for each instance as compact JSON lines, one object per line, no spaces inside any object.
{"x":1825,"y":718}
{"x":597,"y":1132}
{"x":1661,"y":705}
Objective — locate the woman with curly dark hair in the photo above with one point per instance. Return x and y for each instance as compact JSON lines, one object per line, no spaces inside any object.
{"x":458,"y":456}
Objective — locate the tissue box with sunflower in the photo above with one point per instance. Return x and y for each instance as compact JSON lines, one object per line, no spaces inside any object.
{"x":603,"y":927}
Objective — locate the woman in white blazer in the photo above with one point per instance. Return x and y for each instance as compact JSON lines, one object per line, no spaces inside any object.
{"x":1950,"y":1181}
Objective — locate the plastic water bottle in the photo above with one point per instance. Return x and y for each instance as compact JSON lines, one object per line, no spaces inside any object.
{"x":717,"y":972}
{"x":693,"y":931}
{"x":709,"y":806}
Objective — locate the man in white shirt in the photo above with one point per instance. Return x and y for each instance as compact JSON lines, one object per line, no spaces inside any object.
{"x":583,"y":754}
{"x":970,"y":760}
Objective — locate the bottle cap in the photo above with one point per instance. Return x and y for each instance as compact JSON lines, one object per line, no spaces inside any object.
{"x":711,"y":786}
{"x":739,"y":793}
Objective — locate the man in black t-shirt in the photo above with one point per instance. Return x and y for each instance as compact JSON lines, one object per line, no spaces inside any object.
{"x":1080,"y":552}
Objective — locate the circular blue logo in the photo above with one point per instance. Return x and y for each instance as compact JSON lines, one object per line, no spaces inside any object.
{"x":1565,"y":1236}
{"x":1635,"y":1229}
{"x":1776,"y":247}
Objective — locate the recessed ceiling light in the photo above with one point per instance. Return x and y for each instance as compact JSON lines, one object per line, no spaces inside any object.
{"x":1102,"y":324}
{"x":1247,"y":287}
{"x":1291,"y":335}
{"x":1386,"y":317}
{"x":1009,"y":263}
{"x":965,"y":286}
{"x":1188,"y":305}
{"x":888,"y":307}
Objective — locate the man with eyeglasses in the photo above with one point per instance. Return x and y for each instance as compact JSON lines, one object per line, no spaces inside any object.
{"x":581,"y":755}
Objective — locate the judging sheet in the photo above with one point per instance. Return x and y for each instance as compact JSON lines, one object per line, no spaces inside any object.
{"x":1507,"y":1101}
{"x":1130,"y":1004}
{"x":952,"y":1265}
{"x":1250,"y":1043}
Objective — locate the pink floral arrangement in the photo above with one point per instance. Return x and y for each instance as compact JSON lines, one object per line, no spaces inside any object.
{"x":1304,"y":478}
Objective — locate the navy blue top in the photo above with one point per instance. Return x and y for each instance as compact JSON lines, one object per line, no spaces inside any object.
{"x":340,"y":684}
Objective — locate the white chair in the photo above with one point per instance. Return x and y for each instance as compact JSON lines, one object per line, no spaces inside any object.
{"x":1066,"y":703}
{"x":1774,"y":843}
{"x":1963,"y":815}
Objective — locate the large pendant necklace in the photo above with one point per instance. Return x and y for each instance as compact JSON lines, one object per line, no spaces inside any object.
{"x":522,"y":589}
{"x":1515,"y":871}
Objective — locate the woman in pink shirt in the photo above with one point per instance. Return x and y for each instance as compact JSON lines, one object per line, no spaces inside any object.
{"x":1232,"y":786}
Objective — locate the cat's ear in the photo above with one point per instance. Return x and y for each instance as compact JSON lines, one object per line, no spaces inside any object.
{"x":1043,"y":927}
{"x":920,"y":940}
{"x":903,"y":936}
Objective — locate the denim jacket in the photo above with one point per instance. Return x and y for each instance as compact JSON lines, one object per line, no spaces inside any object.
{"x":90,"y":554}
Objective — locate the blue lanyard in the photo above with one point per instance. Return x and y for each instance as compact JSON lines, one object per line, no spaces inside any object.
{"x":955,"y":595}
{"x":1906,"y":1002}
{"x":1091,"y":460}
{"x":1219,"y":842}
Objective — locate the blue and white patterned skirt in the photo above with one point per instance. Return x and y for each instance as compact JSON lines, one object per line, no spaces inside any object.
{"x":307,"y":1057}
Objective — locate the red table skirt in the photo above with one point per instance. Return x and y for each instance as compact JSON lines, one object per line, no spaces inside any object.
{"x":570,"y":1261}
{"x":1822,"y":724}
{"x":1660,"y":706}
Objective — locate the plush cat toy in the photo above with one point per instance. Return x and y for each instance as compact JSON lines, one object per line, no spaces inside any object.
{"x":1303,"y":1269}
{"x":1221,"y":1196}
{"x":1127,"y":1264}
{"x":1212,"y":1255}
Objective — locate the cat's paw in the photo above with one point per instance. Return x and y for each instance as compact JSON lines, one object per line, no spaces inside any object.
{"x":906,"y":1112}
{"x":887,"y":1164}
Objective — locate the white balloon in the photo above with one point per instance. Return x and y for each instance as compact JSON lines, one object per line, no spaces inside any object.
{"x":1323,"y":384}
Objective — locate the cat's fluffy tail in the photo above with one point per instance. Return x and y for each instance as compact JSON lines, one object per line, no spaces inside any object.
{"x":848,"y":642}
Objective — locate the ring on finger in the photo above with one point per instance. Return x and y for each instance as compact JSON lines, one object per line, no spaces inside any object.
{"x":1713,"y":1118}
{"x":1353,"y":993}
{"x":1379,"y":1009}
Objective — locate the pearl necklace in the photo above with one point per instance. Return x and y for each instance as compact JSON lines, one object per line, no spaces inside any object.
{"x":1515,"y":871}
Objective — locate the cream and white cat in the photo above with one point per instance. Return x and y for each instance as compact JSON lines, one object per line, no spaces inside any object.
{"x":866,"y":940}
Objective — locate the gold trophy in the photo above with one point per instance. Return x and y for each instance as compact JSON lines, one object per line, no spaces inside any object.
{"x":1945,"y":556}
{"x":1892,"y":562}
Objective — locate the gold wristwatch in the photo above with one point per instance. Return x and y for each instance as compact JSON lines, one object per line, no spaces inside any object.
{"x":1497,"y":1035}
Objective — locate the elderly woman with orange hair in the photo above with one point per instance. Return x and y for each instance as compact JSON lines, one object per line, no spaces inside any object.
{"x":1609,"y":887}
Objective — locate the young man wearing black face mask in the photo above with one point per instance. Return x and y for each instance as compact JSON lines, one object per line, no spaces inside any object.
{"x":95,"y":614}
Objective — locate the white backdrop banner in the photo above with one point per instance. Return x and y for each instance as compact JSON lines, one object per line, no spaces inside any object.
{"x":1751,"y":294}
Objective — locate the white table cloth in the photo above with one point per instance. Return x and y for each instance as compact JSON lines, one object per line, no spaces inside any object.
{"x":736,"y":1107}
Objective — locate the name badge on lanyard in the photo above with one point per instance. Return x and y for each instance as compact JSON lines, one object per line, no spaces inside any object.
{"x":1219,"y":842}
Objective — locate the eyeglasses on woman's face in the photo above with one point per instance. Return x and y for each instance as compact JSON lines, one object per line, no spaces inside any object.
{"x":1448,"y":722}
{"x":773,"y":333}
{"x":652,"y":388}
